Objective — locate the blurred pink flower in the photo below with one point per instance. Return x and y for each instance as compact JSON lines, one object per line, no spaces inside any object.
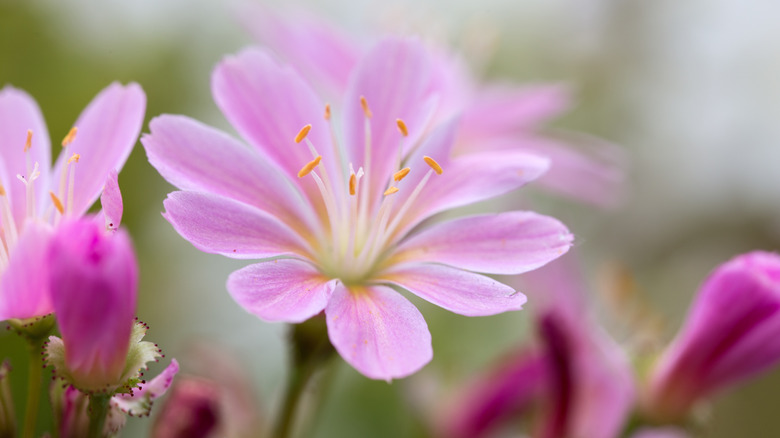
{"x":35,"y":196}
{"x":494,"y":116}
{"x":732,"y":332}
{"x":340,"y":237}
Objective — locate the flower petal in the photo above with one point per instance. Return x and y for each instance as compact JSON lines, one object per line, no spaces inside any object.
{"x":281,"y":290}
{"x":506,"y":243}
{"x":139,"y":402}
{"x":269,"y":104}
{"x":462,"y":292}
{"x":111,"y":201}
{"x":223,"y":226}
{"x":107,"y":131}
{"x":378,"y":331}
{"x":19,"y":113}
{"x":394,"y":78}
{"x":196,"y":157}
{"x":24,"y":289}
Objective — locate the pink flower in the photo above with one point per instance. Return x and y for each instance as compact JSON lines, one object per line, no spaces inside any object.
{"x":494,"y":116}
{"x":732,"y":333}
{"x":332,"y":221}
{"x":35,"y":196}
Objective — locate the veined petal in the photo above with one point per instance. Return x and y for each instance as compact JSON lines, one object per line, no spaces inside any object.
{"x":394,"y":78}
{"x":506,"y":243}
{"x":472,"y":178}
{"x":220,"y":225}
{"x":378,"y":331}
{"x":196,"y":157}
{"x":139,"y":402}
{"x":462,"y":292}
{"x":111,"y":201}
{"x":269,"y":104}
{"x":281,"y":290}
{"x":107,"y":131}
{"x":19,"y":113}
{"x":24,"y":291}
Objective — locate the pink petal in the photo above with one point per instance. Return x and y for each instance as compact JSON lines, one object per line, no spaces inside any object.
{"x":223,"y":226}
{"x":24,"y":289}
{"x":281,"y":290}
{"x":111,"y":201}
{"x":378,"y":331}
{"x":195,"y":157}
{"x":269,"y":104}
{"x":322,"y":54}
{"x":456,"y":290}
{"x":472,"y":178}
{"x":107,"y":131}
{"x":394,"y":78}
{"x":506,"y":243}
{"x":139,"y":402}
{"x":19,"y":113}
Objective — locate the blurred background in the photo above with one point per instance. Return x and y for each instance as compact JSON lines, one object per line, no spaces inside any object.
{"x":687,"y":88}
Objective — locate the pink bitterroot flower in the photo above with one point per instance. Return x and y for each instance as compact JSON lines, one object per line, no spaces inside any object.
{"x":35,"y":195}
{"x":332,"y":216}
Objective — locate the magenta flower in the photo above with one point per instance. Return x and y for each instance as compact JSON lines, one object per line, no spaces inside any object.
{"x":732,"y":332}
{"x":494,"y":116}
{"x":336,"y":218}
{"x":34,"y":195}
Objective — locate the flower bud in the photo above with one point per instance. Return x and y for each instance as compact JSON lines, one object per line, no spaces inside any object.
{"x":731,"y":333}
{"x":93,"y":277}
{"x":191,"y":410}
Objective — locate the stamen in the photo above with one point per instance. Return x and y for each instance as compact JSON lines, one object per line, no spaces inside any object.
{"x":28,"y":143}
{"x":57,"y":203}
{"x":434,"y":165}
{"x":74,"y":158}
{"x":402,"y":127}
{"x":302,"y":133}
{"x":401,"y":174}
{"x":352,"y":184}
{"x":2,"y":190}
{"x":70,"y":137}
{"x":305,"y":170}
{"x":366,"y":109}
{"x":327,"y":111}
{"x":391,"y":190}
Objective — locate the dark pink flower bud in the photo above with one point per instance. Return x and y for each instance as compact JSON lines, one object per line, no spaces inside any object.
{"x":93,"y":281}
{"x":732,"y":332}
{"x":191,"y":411}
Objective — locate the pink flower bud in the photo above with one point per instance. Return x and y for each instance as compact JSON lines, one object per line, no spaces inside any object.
{"x":191,"y":411}
{"x":93,"y":280}
{"x":732,"y":332}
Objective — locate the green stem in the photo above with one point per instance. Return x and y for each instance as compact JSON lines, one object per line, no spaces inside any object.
{"x":296,"y":383}
{"x":98,"y":411}
{"x":33,"y":389}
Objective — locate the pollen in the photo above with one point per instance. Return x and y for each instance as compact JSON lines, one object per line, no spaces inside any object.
{"x":74,"y":158}
{"x":352,"y":184}
{"x":401,"y":174}
{"x":57,"y":203}
{"x":366,"y":109}
{"x":434,"y":165}
{"x":302,"y":133}
{"x":327,"y":111}
{"x":28,"y":143}
{"x":305,"y":170}
{"x":70,"y":137}
{"x":390,"y":191}
{"x":402,"y":127}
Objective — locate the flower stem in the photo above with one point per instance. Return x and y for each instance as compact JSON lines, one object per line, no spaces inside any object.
{"x":310,"y":348}
{"x":98,"y":411}
{"x":33,"y":388}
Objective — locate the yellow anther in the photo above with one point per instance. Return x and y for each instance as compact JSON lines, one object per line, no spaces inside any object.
{"x":352,"y":184}
{"x":57,"y":203}
{"x":305,"y":170}
{"x":402,"y":127}
{"x":70,"y":137}
{"x":327,"y":111}
{"x":302,"y":133}
{"x":401,"y":174}
{"x":74,"y":158}
{"x":366,"y":109}
{"x":28,"y":143}
{"x":434,"y":165}
{"x":391,"y":190}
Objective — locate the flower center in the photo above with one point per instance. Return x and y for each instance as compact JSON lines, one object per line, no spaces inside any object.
{"x":361,"y":226}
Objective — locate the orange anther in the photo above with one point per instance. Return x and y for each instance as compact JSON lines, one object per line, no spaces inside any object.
{"x":302,"y":133}
{"x":434,"y":165}
{"x":305,"y":170}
